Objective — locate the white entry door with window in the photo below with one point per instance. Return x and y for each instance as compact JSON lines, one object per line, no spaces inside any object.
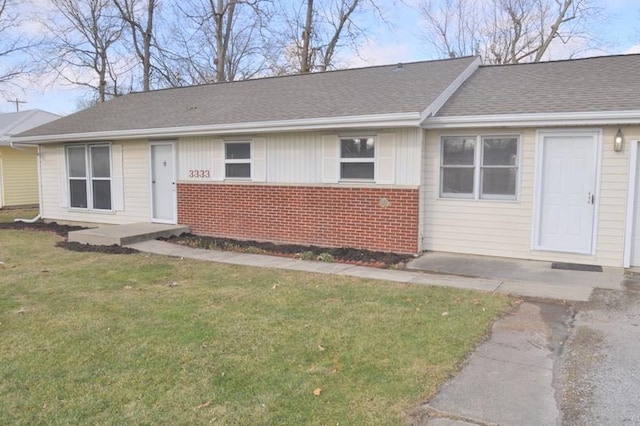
{"x":567,"y":183}
{"x":163,"y":182}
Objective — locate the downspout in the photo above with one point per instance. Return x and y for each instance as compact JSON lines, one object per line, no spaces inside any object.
{"x":39,"y":215}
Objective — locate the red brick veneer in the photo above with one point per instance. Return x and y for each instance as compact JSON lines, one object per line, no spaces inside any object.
{"x":327,"y":216}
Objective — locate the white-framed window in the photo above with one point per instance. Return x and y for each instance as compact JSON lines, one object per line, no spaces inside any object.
{"x":479,"y":167}
{"x":357,"y":158}
{"x":237,"y":160}
{"x":89,"y":176}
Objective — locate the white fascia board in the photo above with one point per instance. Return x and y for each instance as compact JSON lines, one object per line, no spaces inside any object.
{"x":438,"y":102}
{"x":410,"y":119}
{"x":535,"y":120}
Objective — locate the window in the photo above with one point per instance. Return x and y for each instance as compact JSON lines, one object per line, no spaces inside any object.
{"x":237,"y":160}
{"x":357,"y":158}
{"x":483,"y":167}
{"x":89,"y":174}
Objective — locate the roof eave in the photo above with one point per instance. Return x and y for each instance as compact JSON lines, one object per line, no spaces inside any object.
{"x":410,"y":119}
{"x":535,"y":120}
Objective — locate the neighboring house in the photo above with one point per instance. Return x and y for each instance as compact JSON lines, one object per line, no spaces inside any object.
{"x":448,"y":155}
{"x":18,"y":170}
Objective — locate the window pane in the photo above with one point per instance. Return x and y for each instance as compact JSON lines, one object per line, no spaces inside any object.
{"x":458,"y":151}
{"x":357,"y":148}
{"x":102,"y":194}
{"x":357,"y":171}
{"x":500,"y":181}
{"x":100,"y":166}
{"x":238,"y":151}
{"x":76,"y":161}
{"x":457,"y":180}
{"x":238,"y":170}
{"x":78,"y":192}
{"x":499,"y":151}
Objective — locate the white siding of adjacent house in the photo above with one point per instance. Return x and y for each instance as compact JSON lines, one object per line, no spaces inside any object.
{"x":503,"y":228}
{"x":136,"y":198}
{"x":296,"y":158}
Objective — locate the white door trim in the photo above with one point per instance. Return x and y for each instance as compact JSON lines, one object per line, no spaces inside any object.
{"x":537,"y":204}
{"x":174,"y":176}
{"x":631,"y":201}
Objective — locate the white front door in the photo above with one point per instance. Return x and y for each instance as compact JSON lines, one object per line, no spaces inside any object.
{"x":635,"y":241}
{"x":567,"y":200}
{"x":163,"y":183}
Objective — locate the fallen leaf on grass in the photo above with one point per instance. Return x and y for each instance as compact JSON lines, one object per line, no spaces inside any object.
{"x":204,"y":405}
{"x":321,"y":348}
{"x":445,"y":313}
{"x":317,"y":391}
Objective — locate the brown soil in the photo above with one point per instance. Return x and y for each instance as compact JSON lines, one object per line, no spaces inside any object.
{"x":63,"y":231}
{"x":343,"y":255}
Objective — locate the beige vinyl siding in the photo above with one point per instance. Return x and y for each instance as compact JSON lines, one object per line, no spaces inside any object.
{"x":135,"y":166}
{"x":19,"y":176}
{"x":505,"y":228}
{"x":296,"y":158}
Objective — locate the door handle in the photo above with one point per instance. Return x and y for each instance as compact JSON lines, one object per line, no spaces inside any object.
{"x":591,"y":198}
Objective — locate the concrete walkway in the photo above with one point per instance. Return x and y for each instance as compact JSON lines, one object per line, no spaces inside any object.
{"x":566,"y":290}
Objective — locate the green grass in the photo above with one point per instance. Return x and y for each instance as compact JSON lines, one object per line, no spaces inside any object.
{"x":103,"y":339}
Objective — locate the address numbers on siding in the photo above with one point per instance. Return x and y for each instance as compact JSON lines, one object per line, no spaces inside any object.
{"x":199,"y":174}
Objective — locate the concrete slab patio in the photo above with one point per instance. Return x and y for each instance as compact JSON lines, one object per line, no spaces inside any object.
{"x":125,"y":234}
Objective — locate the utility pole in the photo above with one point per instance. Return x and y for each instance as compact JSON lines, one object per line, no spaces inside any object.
{"x":17,"y":102}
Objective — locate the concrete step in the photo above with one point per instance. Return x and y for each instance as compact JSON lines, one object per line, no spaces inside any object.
{"x":125,"y":234}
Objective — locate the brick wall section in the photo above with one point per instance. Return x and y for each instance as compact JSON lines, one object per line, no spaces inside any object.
{"x":311,"y":215}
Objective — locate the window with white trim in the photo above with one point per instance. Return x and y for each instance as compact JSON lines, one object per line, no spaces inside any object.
{"x":89,"y":176}
{"x":237,"y":160}
{"x":357,"y":158}
{"x":479,"y":167}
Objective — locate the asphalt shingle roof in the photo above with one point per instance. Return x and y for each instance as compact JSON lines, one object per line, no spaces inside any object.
{"x":363,"y":91}
{"x":608,"y":83}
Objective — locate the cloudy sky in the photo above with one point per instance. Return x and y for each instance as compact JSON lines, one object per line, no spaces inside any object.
{"x":402,"y":43}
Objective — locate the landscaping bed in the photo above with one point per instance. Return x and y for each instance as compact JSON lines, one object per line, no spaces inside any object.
{"x":324,"y":254}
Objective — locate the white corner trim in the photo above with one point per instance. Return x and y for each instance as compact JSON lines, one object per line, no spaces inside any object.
{"x":531,"y":120}
{"x":408,"y":119}
{"x":631,"y":201}
{"x":438,"y":102}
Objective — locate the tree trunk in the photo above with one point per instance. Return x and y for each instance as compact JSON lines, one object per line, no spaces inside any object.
{"x":305,"y":66}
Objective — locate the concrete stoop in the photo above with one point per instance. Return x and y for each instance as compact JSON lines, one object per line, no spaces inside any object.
{"x":125,"y":234}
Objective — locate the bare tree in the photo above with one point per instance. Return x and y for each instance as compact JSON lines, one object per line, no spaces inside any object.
{"x":13,"y":45}
{"x":214,"y":41}
{"x":311,"y":33}
{"x":509,"y":31}
{"x":81,"y":48}
{"x":139,"y":18}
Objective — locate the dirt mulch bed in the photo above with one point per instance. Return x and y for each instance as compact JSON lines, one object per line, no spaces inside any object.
{"x":343,"y":255}
{"x":113,"y":249}
{"x":63,"y":231}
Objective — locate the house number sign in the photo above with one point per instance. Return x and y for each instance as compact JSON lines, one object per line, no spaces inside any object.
{"x":200,"y":174}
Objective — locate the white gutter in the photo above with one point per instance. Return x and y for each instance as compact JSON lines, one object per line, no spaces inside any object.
{"x":530,"y":120}
{"x":34,"y":220}
{"x":409,"y":119}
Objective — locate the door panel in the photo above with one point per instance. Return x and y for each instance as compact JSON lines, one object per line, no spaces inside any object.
{"x":568,"y":185}
{"x":163,"y":193}
{"x":635,"y":242}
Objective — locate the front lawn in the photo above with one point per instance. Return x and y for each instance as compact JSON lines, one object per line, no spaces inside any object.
{"x":90,"y":338}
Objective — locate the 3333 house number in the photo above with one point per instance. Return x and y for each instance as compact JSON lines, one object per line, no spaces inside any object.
{"x":199,"y":174}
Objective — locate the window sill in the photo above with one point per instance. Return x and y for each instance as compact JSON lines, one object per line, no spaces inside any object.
{"x":89,"y":211}
{"x":480,"y":200}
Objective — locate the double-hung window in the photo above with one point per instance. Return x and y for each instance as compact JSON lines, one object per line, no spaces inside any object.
{"x":357,"y":158}
{"x":479,"y":167}
{"x":237,"y":161}
{"x":89,"y":175}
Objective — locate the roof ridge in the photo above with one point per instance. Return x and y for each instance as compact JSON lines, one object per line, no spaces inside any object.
{"x":556,"y":61}
{"x":311,"y":74}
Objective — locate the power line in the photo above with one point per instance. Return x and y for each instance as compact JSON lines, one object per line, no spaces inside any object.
{"x":17,"y":102}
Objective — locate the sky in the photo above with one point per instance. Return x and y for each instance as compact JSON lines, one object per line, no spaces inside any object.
{"x":401,"y":43}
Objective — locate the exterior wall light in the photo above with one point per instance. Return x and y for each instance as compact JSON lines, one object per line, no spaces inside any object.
{"x":618,"y":141}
